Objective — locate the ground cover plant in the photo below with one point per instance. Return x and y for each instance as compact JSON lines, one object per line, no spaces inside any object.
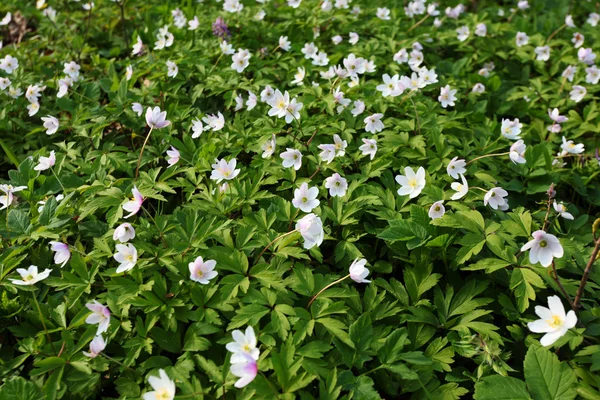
{"x":299,"y":199}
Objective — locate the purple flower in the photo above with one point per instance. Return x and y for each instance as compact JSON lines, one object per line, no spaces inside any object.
{"x":220,"y":29}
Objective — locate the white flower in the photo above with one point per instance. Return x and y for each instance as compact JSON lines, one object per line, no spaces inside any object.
{"x":481,"y":30}
{"x":495,"y":197}
{"x":202,"y":271}
{"x":569,"y":21}
{"x":46,"y":162}
{"x":569,"y":73}
{"x":562,"y":210}
{"x":340,"y":145}
{"x":172,"y":156}
{"x":463,"y":33}
{"x":243,"y":343}
{"x":197,"y":128}
{"x":321,"y":59}
{"x":30,"y":276}
{"x":240,"y":61}
{"x":511,"y":129}
{"x":577,"y":93}
{"x":478,"y":88}
{"x":391,"y":86}
{"x":128,"y":72}
{"x":369,"y":148}
{"x":328,"y":152}
{"x":51,"y":124}
{"x":72,"y":69}
{"x":523,"y":4}
{"x":543,"y":248}
{"x":97,"y":346}
{"x":337,"y":185}
{"x":6,"y":20}
{"x":124,"y":233}
{"x":62,"y":254}
{"x":133,"y":205}
{"x":9,"y":64}
{"x":7,"y":199}
{"x":164,"y":387}
{"x":460,"y":188}
{"x":522,"y":39}
{"x":193,"y":23}
{"x":553,"y":321}
{"x":126,"y":255}
{"x":543,"y":53}
{"x":137,"y":46}
{"x":156,"y":119}
{"x":428,"y":76}
{"x":570,"y":147}
{"x":358,"y":272}
{"x":309,"y":50}
{"x":232,"y":6}
{"x":578,"y":40}
{"x":359,"y":108}
{"x":292,"y":158}
{"x":411,"y":183}
{"x":226,"y":48}
{"x":311,"y":228}
{"x":592,"y":75}
{"x":42,"y":203}
{"x":517,"y":152}
{"x":586,"y":55}
{"x":224,"y":170}
{"x":214,"y":122}
{"x":252,"y":101}
{"x":239,"y":102}
{"x":4,"y":83}
{"x":294,"y":3}
{"x":33,"y":108}
{"x":172,"y":69}
{"x":299,"y":77}
{"x":383,"y":13}
{"x":100,"y":315}
{"x":353,"y":38}
{"x":447,"y":96}
{"x":284,"y":43}
{"x":456,"y":167}
{"x":373,"y":123}
{"x":269,"y":147}
{"x":267,"y":95}
{"x":305,"y":198}
{"x":437,"y":210}
{"x":137,"y":108}
{"x":260,"y":15}
{"x":593,"y":19}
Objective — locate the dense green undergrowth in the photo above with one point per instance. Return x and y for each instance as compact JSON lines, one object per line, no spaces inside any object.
{"x":384,"y":202}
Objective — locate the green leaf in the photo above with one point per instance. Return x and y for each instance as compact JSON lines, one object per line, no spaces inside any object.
{"x":547,"y":378}
{"x":498,"y":387}
{"x":18,"y":221}
{"x":20,"y":389}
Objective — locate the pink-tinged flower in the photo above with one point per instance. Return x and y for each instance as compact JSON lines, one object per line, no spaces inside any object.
{"x":358,"y":272}
{"x":224,"y":170}
{"x":543,"y":248}
{"x":562,"y":210}
{"x":556,"y":117}
{"x":337,"y":185}
{"x":244,"y":343}
{"x":172,"y":156}
{"x":495,"y":197}
{"x":554,"y":322}
{"x":137,"y":46}
{"x":202,"y":271}
{"x":578,"y":40}
{"x":156,"y":119}
{"x":517,"y":152}
{"x":373,"y":123}
{"x":46,"y":162}
{"x":577,"y":93}
{"x":137,"y":108}
{"x":97,"y":346}
{"x":30,"y":276}
{"x":126,"y":256}
{"x":100,"y":315}
{"x":586,"y":55}
{"x":164,"y":387}
{"x":51,"y":124}
{"x":134,"y":205}
{"x":7,"y":198}
{"x":124,"y":233}
{"x":311,"y":228}
{"x":437,"y":210}
{"x":412,"y":183}
{"x":62,"y":253}
{"x":456,"y":167}
{"x":447,"y":96}
{"x":292,"y":158}
{"x":305,"y":198}
{"x":246,"y":369}
{"x":478,"y":88}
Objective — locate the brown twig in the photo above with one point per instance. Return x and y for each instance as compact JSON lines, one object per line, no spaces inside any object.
{"x":324,"y":289}
{"x":560,"y":286}
{"x":586,"y":274}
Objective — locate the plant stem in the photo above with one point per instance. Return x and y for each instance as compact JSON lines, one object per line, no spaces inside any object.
{"x":555,"y":32}
{"x":560,"y":286}
{"x":273,"y":241}
{"x":56,"y":176}
{"x":416,"y":113}
{"x":488,"y":155}
{"x":325,"y":288}
{"x":418,"y":23}
{"x":122,"y":6}
{"x":137,"y":169}
{"x":586,"y":274}
{"x":43,"y":322}
{"x":216,"y":62}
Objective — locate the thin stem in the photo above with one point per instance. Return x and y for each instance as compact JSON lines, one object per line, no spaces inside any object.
{"x":293,"y":218}
{"x":546,"y":219}
{"x":555,"y":32}
{"x":122,"y":6}
{"x":43,"y":322}
{"x":418,"y":23}
{"x":372,"y":370}
{"x":477,"y":187}
{"x":325,"y":288}
{"x":56,"y":176}
{"x":313,"y":175}
{"x":488,"y":155}
{"x":273,"y":241}
{"x":137,"y":169}
{"x":586,"y":274}
{"x":311,"y":138}
{"x":562,"y":85}
{"x":512,"y":15}
{"x":560,"y":286}
{"x":270,"y":384}
{"x":216,"y":62}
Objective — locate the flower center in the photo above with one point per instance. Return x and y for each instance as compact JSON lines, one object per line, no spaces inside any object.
{"x":246,"y":348}
{"x":304,"y":200}
{"x":437,"y":208}
{"x":555,"y":321}
{"x":162,"y":394}
{"x":543,"y":243}
{"x":28,"y":278}
{"x":412,"y":183}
